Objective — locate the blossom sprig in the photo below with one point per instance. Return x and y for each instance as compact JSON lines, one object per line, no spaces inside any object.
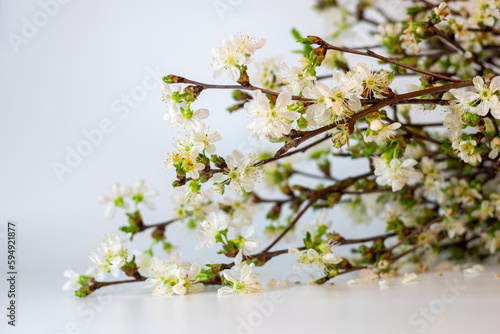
{"x":110,"y":255}
{"x":190,"y":156}
{"x":242,"y":280}
{"x":120,"y":196}
{"x":467,"y":149}
{"x":169,"y":277}
{"x":239,"y":175}
{"x":436,"y":190}
{"x":322,"y":255}
{"x":375,"y":84}
{"x":379,"y":132}
{"x":178,"y":105}
{"x":234,"y":54}
{"x":82,"y":285}
{"x":272,"y":118}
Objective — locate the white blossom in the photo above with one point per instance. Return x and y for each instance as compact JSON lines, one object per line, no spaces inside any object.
{"x":143,"y":261}
{"x":234,"y":54}
{"x":492,"y":243}
{"x":248,"y":246}
{"x":118,"y":193}
{"x":374,"y":83}
{"x":193,"y":119}
{"x":486,"y":99}
{"x":380,"y":132}
{"x":267,"y":73}
{"x":178,"y":111}
{"x":72,"y":282}
{"x":396,"y":174}
{"x":453,"y":125}
{"x":169,"y":277}
{"x":467,"y":151}
{"x":481,"y":102}
{"x":246,"y":283}
{"x":295,"y":79}
{"x":143,"y":193}
{"x":293,"y":251}
{"x":211,"y":228}
{"x":240,"y":174}
{"x":409,"y":42}
{"x":433,"y":178}
{"x":495,"y":146}
{"x":185,"y":157}
{"x":110,"y":255}
{"x":171,"y":97}
{"x":206,"y":138}
{"x":272,"y":121}
{"x":192,"y":205}
{"x":241,"y":211}
{"x":334,"y":103}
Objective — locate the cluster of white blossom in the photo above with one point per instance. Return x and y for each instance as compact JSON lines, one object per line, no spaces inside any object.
{"x":395,"y":173}
{"x":483,"y":100}
{"x":189,"y":205}
{"x":185,"y":158}
{"x":170,"y":277}
{"x":138,"y":192}
{"x":234,"y":55}
{"x":323,"y":257}
{"x":110,"y":255}
{"x":242,"y":280}
{"x":240,"y":174}
{"x":179,"y":109}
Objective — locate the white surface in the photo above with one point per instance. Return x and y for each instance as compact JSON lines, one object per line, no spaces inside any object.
{"x":472,"y":307}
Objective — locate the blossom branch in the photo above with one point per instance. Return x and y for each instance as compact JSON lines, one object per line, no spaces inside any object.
{"x":369,"y":53}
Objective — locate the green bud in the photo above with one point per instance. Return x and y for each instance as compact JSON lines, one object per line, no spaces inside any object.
{"x":302,"y":123}
{"x":234,"y":107}
{"x":187,"y":113}
{"x":218,"y":161}
{"x":158,"y":234}
{"x":274,"y":213}
{"x":192,"y":92}
{"x":119,"y":202}
{"x":194,"y":186}
{"x":239,"y":95}
{"x":130,"y":269}
{"x":170,"y":79}
{"x":167,"y":246}
{"x":138,"y":198}
{"x":341,"y":136}
{"x":244,"y":80}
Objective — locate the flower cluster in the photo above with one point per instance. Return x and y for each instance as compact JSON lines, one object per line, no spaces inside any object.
{"x":430,"y":152}
{"x":111,"y":255}
{"x":169,"y":277}
{"x":234,"y":55}
{"x":239,"y":174}
{"x":138,"y":193}
{"x":189,"y":156}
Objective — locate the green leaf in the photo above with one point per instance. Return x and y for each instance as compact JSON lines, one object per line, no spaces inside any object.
{"x":296,"y":34}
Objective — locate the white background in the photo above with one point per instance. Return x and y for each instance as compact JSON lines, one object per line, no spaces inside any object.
{"x":64,"y":80}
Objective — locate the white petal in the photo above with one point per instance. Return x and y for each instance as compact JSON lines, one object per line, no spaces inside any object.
{"x":194,"y":271}
{"x":225,"y":291}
